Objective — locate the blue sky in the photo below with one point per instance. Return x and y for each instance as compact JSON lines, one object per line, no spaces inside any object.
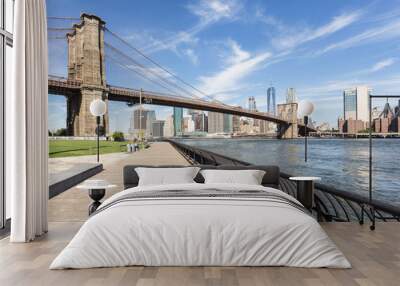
{"x":233,"y":49}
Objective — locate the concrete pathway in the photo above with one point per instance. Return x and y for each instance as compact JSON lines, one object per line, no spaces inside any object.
{"x":72,"y":204}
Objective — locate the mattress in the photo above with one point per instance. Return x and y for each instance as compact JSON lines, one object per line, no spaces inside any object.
{"x":201,"y":225}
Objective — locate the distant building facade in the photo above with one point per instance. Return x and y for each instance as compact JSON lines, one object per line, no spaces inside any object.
{"x":235,"y":124}
{"x":291,"y":95}
{"x":228,"y":124}
{"x":188,"y":124}
{"x":158,"y":128}
{"x":355,"y":110}
{"x":324,"y":126}
{"x":178,"y":121}
{"x":271,"y":105}
{"x":200,"y":120}
{"x":356,"y":103}
{"x":141,"y":122}
{"x":169,"y":126}
{"x":215,"y":122}
{"x":350,"y":126}
{"x":252,"y":103}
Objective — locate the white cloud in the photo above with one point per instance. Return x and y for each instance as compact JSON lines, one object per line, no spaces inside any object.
{"x":230,"y":76}
{"x":384,"y":32}
{"x":172,"y":42}
{"x":336,"y":87}
{"x":192,"y":56}
{"x":383,"y":64}
{"x":237,"y":53}
{"x":210,"y":11}
{"x":374,"y":68}
{"x":270,"y":20}
{"x":297,"y":38}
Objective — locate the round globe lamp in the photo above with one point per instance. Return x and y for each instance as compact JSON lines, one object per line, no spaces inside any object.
{"x":98,"y":108}
{"x":304,"y":110}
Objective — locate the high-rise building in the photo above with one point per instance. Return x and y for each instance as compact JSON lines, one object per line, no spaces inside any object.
{"x":355,"y":103}
{"x":228,"y":124}
{"x":200,"y":120}
{"x":235,"y":123}
{"x":271,"y":105}
{"x":169,"y":126}
{"x":291,"y":95}
{"x":150,"y":118}
{"x":215,"y":122}
{"x":141,"y":122}
{"x":178,"y":121}
{"x":252,"y":103}
{"x":158,"y":128}
{"x":188,"y":124}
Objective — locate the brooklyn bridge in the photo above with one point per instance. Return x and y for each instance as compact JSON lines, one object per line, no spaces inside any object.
{"x":86,"y":81}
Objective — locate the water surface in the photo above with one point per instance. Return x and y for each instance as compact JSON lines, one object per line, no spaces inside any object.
{"x":342,"y":163}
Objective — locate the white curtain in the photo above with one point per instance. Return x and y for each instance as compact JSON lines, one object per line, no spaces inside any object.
{"x":26,"y":123}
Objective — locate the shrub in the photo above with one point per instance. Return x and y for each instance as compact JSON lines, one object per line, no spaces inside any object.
{"x":118,"y":136}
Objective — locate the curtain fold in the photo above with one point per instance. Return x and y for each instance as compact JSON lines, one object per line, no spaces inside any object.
{"x":26,"y":119}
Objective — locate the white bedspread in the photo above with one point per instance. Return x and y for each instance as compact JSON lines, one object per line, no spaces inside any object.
{"x":200,"y":231}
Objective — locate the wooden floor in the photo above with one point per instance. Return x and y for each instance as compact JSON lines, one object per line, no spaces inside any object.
{"x":375,"y":256}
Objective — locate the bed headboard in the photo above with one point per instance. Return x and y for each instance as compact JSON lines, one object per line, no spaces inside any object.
{"x":270,"y":179}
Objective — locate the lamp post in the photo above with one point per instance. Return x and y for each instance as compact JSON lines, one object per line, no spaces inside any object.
{"x":98,"y":108}
{"x":305,"y":110}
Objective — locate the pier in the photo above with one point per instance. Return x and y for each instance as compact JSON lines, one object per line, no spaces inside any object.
{"x":374,"y":255}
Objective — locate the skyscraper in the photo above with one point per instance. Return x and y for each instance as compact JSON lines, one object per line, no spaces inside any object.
{"x":169,"y":126}
{"x":158,"y":128}
{"x":178,"y":121}
{"x":215,"y":122}
{"x":355,"y":103}
{"x":291,"y":95}
{"x":252,"y":103}
{"x":142,"y":126}
{"x":271,"y":107}
{"x":150,"y":118}
{"x":228,"y":124}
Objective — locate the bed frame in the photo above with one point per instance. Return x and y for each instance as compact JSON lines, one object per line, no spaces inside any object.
{"x":270,"y":179}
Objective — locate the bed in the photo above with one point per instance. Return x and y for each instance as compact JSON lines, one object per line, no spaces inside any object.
{"x":198,"y":224}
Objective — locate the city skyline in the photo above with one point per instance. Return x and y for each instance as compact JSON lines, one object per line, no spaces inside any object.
{"x":223,"y":55}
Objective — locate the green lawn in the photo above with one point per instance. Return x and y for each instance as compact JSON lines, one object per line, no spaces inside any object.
{"x":68,"y":148}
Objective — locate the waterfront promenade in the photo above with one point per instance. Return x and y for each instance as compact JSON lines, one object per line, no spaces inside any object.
{"x":72,"y":205}
{"x":375,"y":256}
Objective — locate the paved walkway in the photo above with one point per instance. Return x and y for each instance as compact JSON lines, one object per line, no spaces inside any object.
{"x":72,"y":204}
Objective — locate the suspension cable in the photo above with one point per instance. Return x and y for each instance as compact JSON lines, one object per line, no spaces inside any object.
{"x":147,"y":70}
{"x":157,"y":64}
{"x":144,"y":76}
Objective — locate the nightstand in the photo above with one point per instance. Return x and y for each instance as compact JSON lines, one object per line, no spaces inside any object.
{"x":305,"y":190}
{"x":96,"y":190}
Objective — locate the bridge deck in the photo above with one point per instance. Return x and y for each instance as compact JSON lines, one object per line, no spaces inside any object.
{"x":374,"y":255}
{"x":68,"y":87}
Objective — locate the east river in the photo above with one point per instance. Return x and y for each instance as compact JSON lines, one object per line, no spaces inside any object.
{"x":342,"y":163}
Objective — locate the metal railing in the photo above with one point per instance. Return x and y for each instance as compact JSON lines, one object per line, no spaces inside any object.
{"x":331,"y":204}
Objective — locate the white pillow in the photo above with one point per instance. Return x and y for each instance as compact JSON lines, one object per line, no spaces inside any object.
{"x":166,"y":176}
{"x":247,"y":177}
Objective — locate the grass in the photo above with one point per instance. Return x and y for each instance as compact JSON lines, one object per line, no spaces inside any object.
{"x":68,"y":148}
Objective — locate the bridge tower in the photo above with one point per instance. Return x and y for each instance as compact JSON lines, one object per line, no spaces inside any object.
{"x":288,"y":112}
{"x":86,"y":64}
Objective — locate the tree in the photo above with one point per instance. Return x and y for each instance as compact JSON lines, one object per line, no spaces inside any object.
{"x":61,"y":132}
{"x":118,"y":136}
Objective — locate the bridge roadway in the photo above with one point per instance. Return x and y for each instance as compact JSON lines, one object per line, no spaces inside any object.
{"x":63,"y":86}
